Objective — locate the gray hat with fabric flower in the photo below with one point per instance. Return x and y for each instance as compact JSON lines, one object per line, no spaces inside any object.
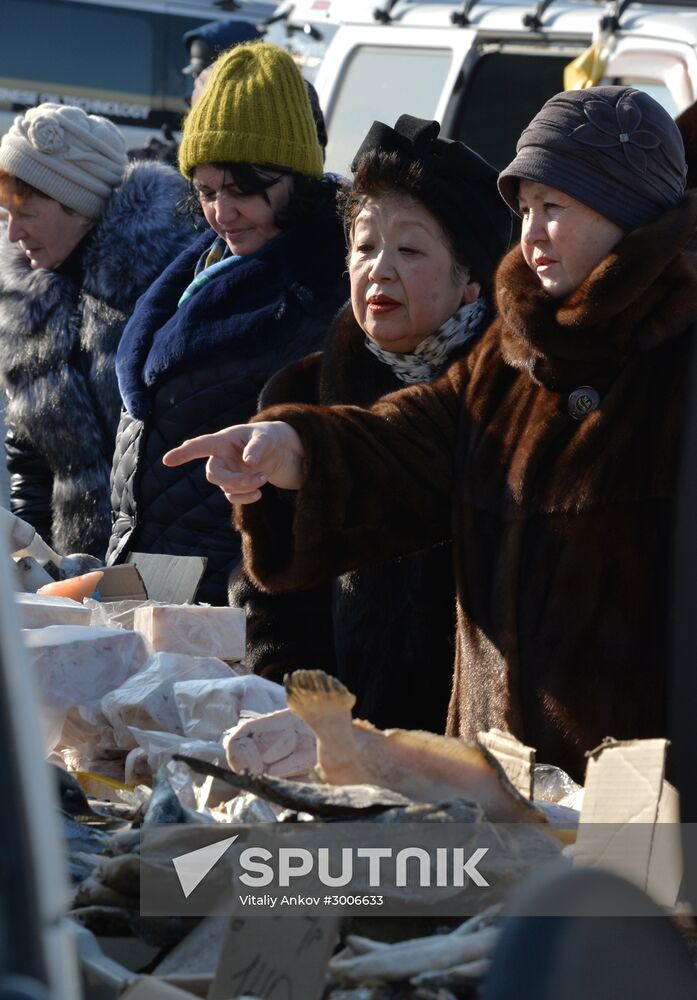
{"x":75,"y":158}
{"x":614,"y":149}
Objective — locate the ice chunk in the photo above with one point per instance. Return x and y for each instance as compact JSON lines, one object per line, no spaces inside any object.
{"x":40,"y":610}
{"x":76,"y":666}
{"x":198,"y":631}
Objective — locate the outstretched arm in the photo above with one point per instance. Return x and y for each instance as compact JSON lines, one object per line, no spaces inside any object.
{"x":371,"y":484}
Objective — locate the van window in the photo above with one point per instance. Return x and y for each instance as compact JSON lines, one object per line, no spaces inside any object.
{"x":504,"y":90}
{"x":383,"y":83}
{"x":76,"y":43}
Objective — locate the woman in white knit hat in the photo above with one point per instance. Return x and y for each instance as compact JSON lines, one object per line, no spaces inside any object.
{"x":86,"y":234}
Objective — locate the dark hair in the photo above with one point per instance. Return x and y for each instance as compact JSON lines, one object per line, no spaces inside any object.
{"x":310,"y":196}
{"x":381,"y":172}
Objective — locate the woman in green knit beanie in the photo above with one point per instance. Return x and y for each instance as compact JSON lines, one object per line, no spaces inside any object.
{"x":256,"y":291}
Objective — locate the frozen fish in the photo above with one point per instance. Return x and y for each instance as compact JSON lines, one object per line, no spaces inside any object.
{"x":422,"y":766}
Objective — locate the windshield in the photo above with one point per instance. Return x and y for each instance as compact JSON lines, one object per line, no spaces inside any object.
{"x":381,"y":83}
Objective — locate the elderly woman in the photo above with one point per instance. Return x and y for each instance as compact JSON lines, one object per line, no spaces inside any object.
{"x":86,"y":234}
{"x":256,"y":291}
{"x":423,"y":212}
{"x":549,"y":454}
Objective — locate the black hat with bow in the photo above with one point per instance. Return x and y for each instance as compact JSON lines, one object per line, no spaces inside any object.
{"x":457,"y":186}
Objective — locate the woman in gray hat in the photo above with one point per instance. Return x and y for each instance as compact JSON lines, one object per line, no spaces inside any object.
{"x":549,"y":454}
{"x":85,"y":235}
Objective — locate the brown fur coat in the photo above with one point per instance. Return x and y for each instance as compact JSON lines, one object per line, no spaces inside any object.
{"x":562,"y":529}
{"x":386,"y":631}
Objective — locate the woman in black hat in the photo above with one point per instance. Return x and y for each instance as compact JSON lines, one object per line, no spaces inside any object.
{"x":426,"y":227}
{"x":549,"y":454}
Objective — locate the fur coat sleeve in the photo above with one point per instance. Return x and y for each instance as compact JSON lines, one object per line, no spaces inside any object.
{"x":403,"y":447}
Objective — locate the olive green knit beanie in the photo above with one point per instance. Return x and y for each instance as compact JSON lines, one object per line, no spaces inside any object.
{"x":255,"y":109}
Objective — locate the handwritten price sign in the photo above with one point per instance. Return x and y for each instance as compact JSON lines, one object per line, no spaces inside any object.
{"x":275,"y":957}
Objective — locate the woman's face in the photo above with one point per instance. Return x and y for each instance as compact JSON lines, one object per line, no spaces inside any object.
{"x":45,"y":231}
{"x":245,"y":221}
{"x":403,"y":283}
{"x":562,"y":240}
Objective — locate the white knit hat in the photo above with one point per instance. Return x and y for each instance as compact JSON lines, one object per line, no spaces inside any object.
{"x":71,"y":156}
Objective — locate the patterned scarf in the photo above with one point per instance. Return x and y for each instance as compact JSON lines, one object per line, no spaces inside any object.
{"x":217,"y":258}
{"x":432,"y":354}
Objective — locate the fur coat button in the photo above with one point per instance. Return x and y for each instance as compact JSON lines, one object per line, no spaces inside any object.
{"x":583,"y":401}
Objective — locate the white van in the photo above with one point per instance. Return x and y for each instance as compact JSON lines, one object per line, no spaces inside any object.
{"x":483,"y":68}
{"x":119,"y":58}
{"x":306,"y":27}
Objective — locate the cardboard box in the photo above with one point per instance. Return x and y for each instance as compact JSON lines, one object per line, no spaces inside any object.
{"x":517,"y":760}
{"x":269,"y":955}
{"x":629,"y":822}
{"x":169,"y":579}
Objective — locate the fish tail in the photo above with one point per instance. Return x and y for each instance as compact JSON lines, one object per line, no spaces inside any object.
{"x":315,"y":696}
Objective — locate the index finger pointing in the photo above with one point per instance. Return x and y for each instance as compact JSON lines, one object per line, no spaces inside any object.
{"x":198,"y":447}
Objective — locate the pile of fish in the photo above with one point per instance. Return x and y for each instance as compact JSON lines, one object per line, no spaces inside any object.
{"x":443,"y":966}
{"x":362,"y":775}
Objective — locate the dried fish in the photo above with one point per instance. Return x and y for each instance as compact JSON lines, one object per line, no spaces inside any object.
{"x":363,"y":945}
{"x":90,"y":892}
{"x":454,"y":978}
{"x":420,"y":765}
{"x":360,"y":945}
{"x":86,"y":839}
{"x":320,"y":800}
{"x":122,"y":874}
{"x":409,"y":958}
{"x":124,"y":842}
{"x":454,"y":811}
{"x":377,"y":992}
{"x":105,"y":921}
{"x":479,"y":920}
{"x":164,"y":805}
{"x":73,"y":800}
{"x":81,"y":865}
{"x":247,"y":808}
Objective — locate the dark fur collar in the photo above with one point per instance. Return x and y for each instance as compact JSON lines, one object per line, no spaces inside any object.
{"x":641,"y":294}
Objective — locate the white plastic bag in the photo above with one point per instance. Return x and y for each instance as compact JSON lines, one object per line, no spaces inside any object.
{"x":146,"y":700}
{"x":208,"y":710}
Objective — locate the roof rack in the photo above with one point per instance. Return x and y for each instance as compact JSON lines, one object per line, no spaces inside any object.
{"x":462,"y":17}
{"x":611,"y":22}
{"x":534,"y":20}
{"x":382,"y":14}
